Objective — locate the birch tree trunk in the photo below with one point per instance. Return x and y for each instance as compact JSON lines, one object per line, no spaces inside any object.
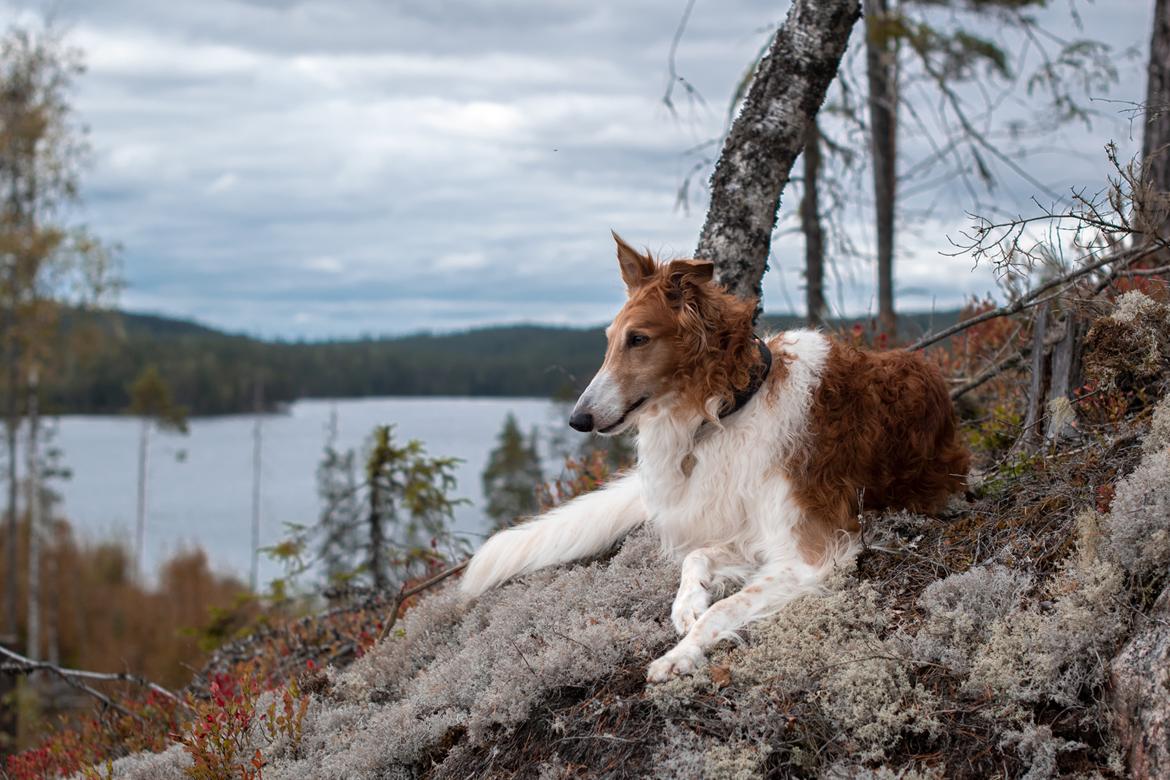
{"x":814,"y":235}
{"x":1156,"y":136}
{"x":140,"y":526}
{"x":35,"y":521}
{"x":767,"y":136}
{"x":881,"y":66}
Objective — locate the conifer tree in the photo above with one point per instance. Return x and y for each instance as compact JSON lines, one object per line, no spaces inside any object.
{"x":512,"y":476}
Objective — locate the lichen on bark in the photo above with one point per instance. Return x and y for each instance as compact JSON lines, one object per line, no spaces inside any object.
{"x":767,"y":136}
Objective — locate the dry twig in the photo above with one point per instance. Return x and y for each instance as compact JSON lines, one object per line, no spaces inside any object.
{"x":15,"y":663}
{"x":406,"y":593}
{"x":1006,"y":364}
{"x":1033,"y":297}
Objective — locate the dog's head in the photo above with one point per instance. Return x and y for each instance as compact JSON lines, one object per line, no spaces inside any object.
{"x":680,"y":337}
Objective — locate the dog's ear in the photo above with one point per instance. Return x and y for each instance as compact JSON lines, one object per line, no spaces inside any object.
{"x":636,"y":267}
{"x":686,"y":277}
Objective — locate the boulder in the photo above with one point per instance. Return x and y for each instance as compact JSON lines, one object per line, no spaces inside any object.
{"x":1141,"y":694}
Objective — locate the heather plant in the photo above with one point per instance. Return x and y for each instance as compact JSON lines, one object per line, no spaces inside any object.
{"x":217,"y":739}
{"x":580,"y":476}
{"x":232,"y":731}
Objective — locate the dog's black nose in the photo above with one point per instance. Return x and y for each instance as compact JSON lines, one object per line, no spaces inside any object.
{"x":581,"y":421}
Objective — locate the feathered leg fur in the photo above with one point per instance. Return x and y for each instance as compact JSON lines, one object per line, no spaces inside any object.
{"x":585,"y":526}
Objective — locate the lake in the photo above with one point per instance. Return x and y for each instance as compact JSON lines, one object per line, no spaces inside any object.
{"x":200,"y":485}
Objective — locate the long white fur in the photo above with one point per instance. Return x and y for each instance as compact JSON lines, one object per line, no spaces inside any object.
{"x":585,"y":526}
{"x":729,"y":520}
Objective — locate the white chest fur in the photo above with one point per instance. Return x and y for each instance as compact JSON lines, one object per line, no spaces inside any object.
{"x":735,"y":496}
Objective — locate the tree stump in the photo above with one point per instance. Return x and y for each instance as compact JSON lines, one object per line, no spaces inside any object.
{"x":8,"y":722}
{"x":1057,"y":345}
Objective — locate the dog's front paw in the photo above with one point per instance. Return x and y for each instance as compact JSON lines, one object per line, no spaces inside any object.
{"x":687,"y":608}
{"x":685,"y":658}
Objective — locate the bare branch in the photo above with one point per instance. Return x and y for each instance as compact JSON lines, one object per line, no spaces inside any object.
{"x":1034,"y":298}
{"x":19,"y":664}
{"x":673,"y":77}
{"x":407,"y":593}
{"x":1006,"y":364}
{"x":1146,"y":271}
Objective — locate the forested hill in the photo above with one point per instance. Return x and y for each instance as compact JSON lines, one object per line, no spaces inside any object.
{"x":212,"y":372}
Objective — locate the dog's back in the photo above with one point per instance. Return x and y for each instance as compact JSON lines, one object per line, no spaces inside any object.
{"x":882,"y":435}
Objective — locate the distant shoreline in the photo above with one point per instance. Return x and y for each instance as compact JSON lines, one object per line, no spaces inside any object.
{"x":213,"y":373}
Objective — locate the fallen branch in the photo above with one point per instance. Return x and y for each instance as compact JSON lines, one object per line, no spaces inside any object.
{"x":407,"y":593}
{"x":1033,"y":298}
{"x":992,"y":372}
{"x":16,"y":663}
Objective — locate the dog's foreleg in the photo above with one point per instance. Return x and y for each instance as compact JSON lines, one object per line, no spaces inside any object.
{"x":765,"y":593}
{"x":698,"y":577}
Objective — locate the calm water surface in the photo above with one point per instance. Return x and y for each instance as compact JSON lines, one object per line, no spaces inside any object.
{"x":200,"y":486}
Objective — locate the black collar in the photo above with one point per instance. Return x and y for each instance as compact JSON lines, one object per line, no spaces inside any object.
{"x":756,"y":379}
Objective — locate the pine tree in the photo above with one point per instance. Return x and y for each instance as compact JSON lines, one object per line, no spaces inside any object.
{"x":409,"y":509}
{"x":511,"y":476}
{"x":338,"y":488}
{"x":386,"y":528}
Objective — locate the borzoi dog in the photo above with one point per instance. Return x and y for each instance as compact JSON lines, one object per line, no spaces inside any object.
{"x":754,"y":458}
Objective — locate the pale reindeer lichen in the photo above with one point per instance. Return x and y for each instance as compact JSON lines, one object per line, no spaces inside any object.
{"x":960,"y":612}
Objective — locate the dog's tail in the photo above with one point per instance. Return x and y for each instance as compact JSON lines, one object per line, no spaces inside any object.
{"x":582,"y":527}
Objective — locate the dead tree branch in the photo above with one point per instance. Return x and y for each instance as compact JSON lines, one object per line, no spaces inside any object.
{"x":1162,"y":269}
{"x":407,"y":593}
{"x":992,"y":372}
{"x":15,"y":663}
{"x":673,"y":77}
{"x":1035,"y":297}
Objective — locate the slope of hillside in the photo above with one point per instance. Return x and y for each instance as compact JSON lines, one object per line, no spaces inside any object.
{"x":976,"y":643}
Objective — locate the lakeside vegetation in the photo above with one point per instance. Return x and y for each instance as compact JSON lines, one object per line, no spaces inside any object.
{"x":212,"y":372}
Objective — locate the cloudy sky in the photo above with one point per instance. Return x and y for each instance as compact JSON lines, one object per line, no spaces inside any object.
{"x":319,"y":168}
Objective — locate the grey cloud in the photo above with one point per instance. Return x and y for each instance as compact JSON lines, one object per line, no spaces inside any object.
{"x":321,"y":168}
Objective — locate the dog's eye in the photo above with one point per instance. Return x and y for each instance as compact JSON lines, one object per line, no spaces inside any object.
{"x":637,"y":339}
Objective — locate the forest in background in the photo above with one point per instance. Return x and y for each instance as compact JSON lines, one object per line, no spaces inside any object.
{"x":212,"y":372}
